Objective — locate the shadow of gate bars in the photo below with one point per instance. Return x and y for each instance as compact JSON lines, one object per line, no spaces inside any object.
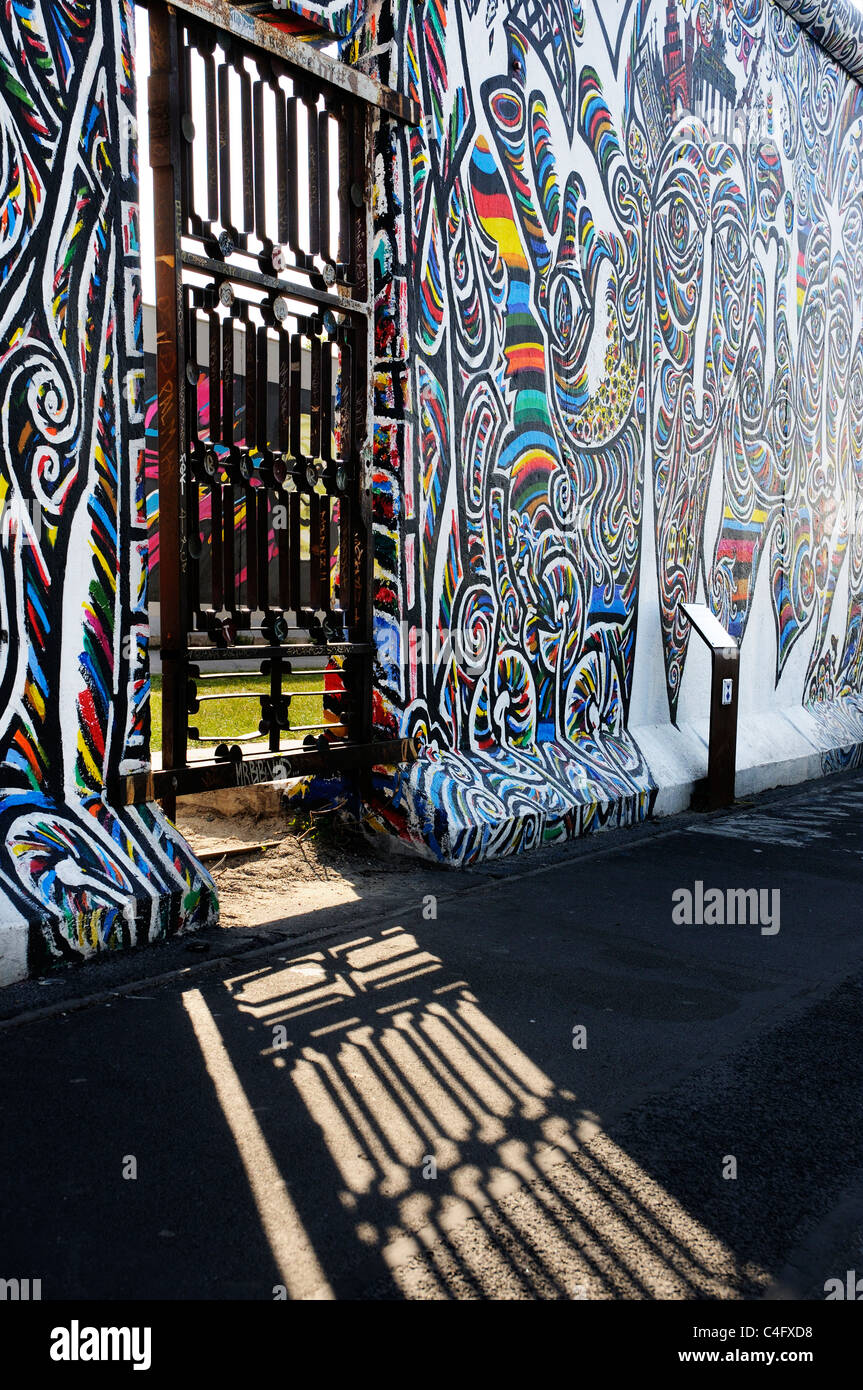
{"x":260,"y":147}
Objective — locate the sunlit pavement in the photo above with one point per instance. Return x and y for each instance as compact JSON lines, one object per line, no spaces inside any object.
{"x":552,"y":1089}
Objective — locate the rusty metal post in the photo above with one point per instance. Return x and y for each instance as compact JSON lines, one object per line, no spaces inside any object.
{"x":165,"y":134}
{"x":725,"y":671}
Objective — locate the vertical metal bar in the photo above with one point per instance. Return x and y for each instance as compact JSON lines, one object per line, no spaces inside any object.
{"x":212,"y":137}
{"x":262,"y":435}
{"x":252,"y":548}
{"x":290,"y":177}
{"x":229,"y":548}
{"x":326,"y":448}
{"x":275,"y":739}
{"x":346,"y":397}
{"x":165,"y":156}
{"x":260,"y":165}
{"x":187,"y":146}
{"x":284,"y":410}
{"x":316,"y":598}
{"x":346,"y":563}
{"x":316,"y":593}
{"x":225,"y":208}
{"x":247,"y":150}
{"x":295,"y":523}
{"x":193,"y":585}
{"x":228,"y":383}
{"x":315,"y":404}
{"x":250,"y":421}
{"x":281,"y":171}
{"x":263,"y":549}
{"x":360,"y":166}
{"x":214,"y":384}
{"x":229,"y":578}
{"x":344,"y":250}
{"x":324,"y":239}
{"x":314,"y":245}
{"x":320,"y":544}
{"x":283,"y":444}
{"x":326,"y":409}
{"x":251,"y":426}
{"x":263,"y":512}
{"x":192,"y":374}
{"x":296,"y":394}
{"x":216,"y":542}
{"x":283,"y":541}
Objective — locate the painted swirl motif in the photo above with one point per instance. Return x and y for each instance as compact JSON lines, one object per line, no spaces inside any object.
{"x":837,"y":25}
{"x":73,"y":669}
{"x":637,"y":292}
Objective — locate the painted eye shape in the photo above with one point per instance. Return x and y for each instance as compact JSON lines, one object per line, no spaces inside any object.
{"x":508,"y":110}
{"x":840,"y":342}
{"x":680,"y":239}
{"x":752,"y":392}
{"x":782,"y":412}
{"x":678,"y":260}
{"x":564,"y":309}
{"x":564,"y":313}
{"x":814,"y":321}
{"x":731,"y":245}
{"x":853,"y":226}
{"x":680,"y":226}
{"x":789,"y":213}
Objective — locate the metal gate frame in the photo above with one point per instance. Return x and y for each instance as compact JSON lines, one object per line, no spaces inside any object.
{"x":346,"y":291}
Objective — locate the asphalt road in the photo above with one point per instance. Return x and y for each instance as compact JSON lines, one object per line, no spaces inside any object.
{"x":550,"y":1089}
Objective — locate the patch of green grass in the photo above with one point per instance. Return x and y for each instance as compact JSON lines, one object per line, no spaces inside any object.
{"x":228,"y":719}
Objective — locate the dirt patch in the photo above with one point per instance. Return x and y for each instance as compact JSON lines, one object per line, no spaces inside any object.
{"x":300,"y":864}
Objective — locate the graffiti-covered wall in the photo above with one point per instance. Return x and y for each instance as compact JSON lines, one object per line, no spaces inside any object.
{"x":78,"y":871}
{"x":619,"y":366}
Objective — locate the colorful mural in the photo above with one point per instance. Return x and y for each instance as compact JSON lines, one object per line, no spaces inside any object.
{"x":619,"y":365}
{"x":838,"y":27}
{"x":77,"y":871}
{"x":307,"y":19}
{"x":620,"y":268}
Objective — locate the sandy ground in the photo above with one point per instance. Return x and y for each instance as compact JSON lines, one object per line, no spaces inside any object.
{"x":308,"y":864}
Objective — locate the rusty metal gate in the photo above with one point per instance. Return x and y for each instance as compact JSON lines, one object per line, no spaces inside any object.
{"x":260,"y":150}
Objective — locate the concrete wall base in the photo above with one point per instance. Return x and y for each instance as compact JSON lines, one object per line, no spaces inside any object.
{"x":774,"y":749}
{"x":461,"y":809}
{"x":92,"y":878}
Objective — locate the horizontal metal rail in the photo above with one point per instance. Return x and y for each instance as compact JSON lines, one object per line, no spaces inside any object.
{"x":246,"y":652}
{"x":255,"y":694}
{"x":283,"y":286}
{"x":239,"y":771}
